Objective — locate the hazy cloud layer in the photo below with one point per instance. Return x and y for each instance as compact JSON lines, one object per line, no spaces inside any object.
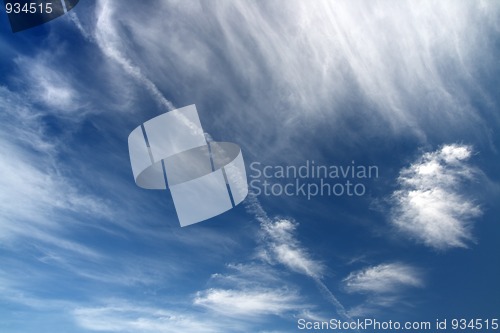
{"x":286,"y":67}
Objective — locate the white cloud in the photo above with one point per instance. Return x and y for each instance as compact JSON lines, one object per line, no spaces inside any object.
{"x":248,"y":275}
{"x":122,"y":316}
{"x":111,"y":44}
{"x":43,"y":83}
{"x":286,"y":64}
{"x":385,"y":278}
{"x":430,"y":205}
{"x":117,"y":315}
{"x":250,"y":292}
{"x":283,"y":246}
{"x":280,"y":245}
{"x":278,"y":61}
{"x":384,"y":286}
{"x":21,"y":123}
{"x":38,"y":201}
{"x":249,"y":302}
{"x":33,"y":193}
{"x":46,"y":206}
{"x":378,"y":305}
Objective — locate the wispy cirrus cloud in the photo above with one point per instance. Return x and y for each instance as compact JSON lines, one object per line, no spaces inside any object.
{"x":251,"y":291}
{"x":49,"y":86}
{"x":279,"y":242}
{"x":383,"y":279}
{"x":124,"y":316}
{"x":384,"y":285}
{"x":299,"y":64}
{"x":34,"y":189}
{"x":430,"y":205}
{"x":111,"y":44}
{"x":249,"y":302}
{"x":280,"y":245}
{"x":283,"y":66}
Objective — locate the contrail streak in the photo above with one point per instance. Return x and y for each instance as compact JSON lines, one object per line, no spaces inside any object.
{"x":254,"y":207}
{"x":106,"y":38}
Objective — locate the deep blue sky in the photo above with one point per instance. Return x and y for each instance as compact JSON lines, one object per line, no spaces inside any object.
{"x":409,"y":87}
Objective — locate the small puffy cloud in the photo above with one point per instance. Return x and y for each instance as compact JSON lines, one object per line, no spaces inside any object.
{"x":383,"y":279}
{"x":430,"y":205}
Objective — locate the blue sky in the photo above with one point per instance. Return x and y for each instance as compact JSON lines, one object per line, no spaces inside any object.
{"x":409,"y":87}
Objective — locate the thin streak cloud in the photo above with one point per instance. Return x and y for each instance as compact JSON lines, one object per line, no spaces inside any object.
{"x":384,"y":278}
{"x":110,"y":43}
